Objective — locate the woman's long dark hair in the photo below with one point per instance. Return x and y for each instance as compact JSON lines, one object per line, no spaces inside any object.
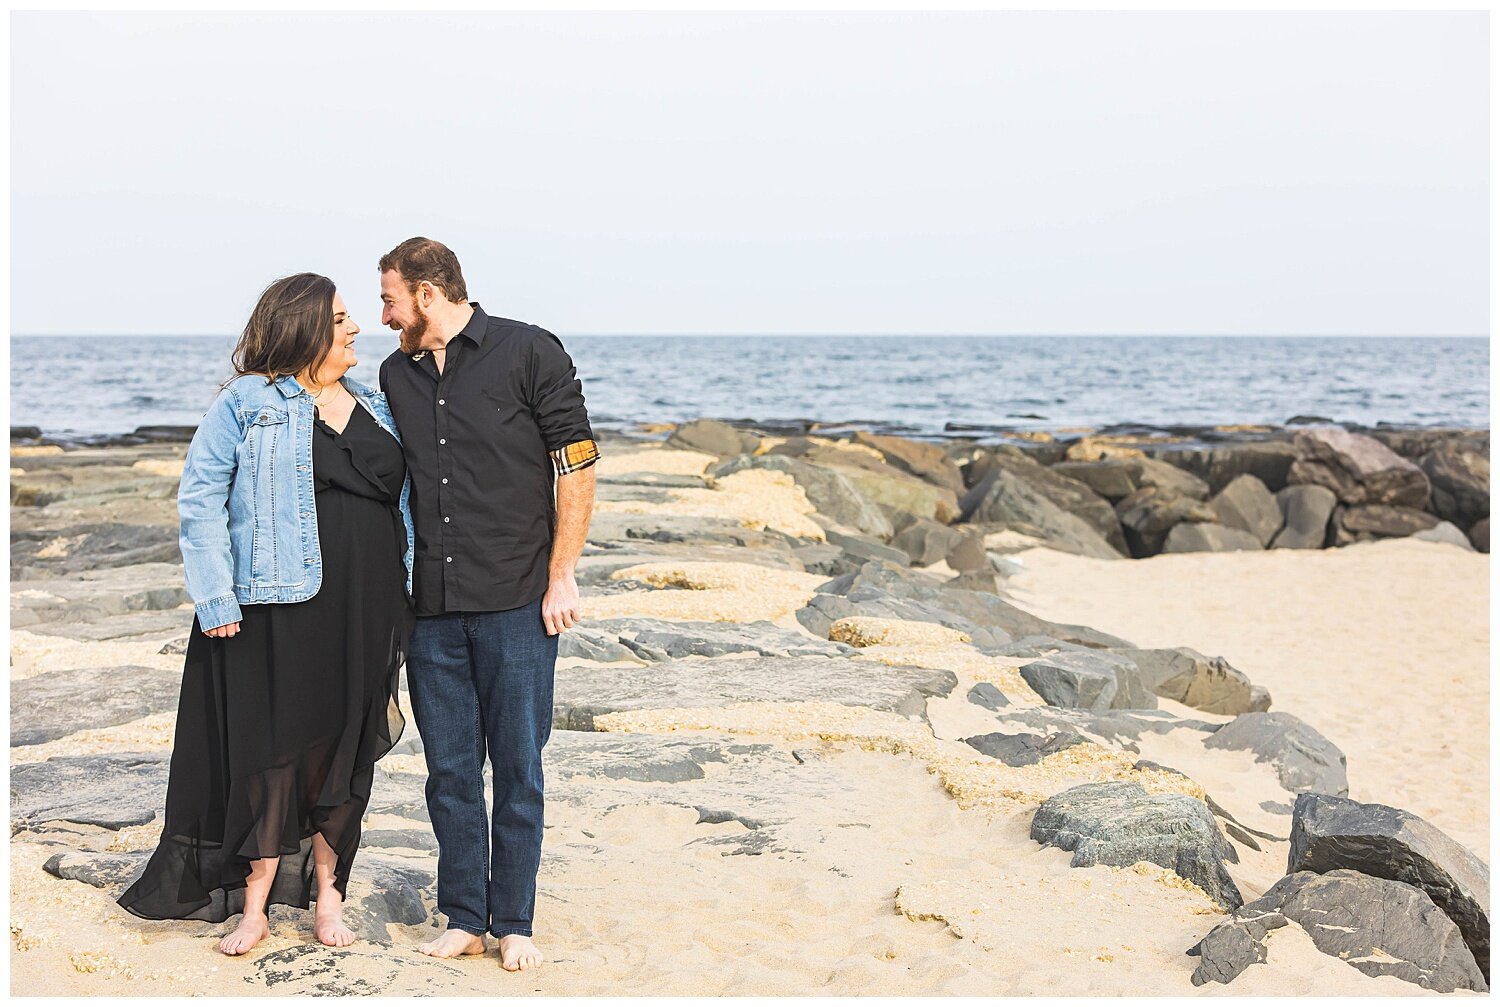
{"x":291,"y":328}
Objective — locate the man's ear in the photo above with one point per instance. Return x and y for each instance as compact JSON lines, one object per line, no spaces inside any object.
{"x":426,"y":294}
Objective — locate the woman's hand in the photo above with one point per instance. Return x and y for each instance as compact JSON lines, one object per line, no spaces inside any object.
{"x":229,"y":629}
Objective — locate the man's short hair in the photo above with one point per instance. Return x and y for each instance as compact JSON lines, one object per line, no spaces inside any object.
{"x":418,"y":259}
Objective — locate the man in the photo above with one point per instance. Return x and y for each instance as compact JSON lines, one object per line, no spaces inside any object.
{"x":489,"y":411}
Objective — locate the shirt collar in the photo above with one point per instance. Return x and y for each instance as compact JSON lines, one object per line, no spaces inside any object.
{"x":478,"y":325}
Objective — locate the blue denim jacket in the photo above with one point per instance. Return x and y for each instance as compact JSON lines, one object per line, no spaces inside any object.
{"x":249,"y":530}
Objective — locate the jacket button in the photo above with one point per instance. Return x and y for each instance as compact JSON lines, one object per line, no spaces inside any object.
{"x":264,"y":417}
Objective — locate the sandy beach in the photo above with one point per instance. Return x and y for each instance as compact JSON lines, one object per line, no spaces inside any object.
{"x":738,"y":805}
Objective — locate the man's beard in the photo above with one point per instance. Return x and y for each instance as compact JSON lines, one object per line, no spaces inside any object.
{"x":411,"y":336}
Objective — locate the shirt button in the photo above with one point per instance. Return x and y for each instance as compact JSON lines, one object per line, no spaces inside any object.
{"x":448,"y":559}
{"x":446,"y":520}
{"x":441,"y":402}
{"x":445,"y":482}
{"x":442,"y":440}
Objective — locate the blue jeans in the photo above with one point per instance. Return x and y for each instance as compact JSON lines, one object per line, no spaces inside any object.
{"x":482,"y":682}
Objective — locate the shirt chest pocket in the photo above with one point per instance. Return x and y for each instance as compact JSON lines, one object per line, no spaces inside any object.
{"x":265,"y":428}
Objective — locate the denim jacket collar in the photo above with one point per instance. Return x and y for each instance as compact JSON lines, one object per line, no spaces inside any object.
{"x":290,"y":387}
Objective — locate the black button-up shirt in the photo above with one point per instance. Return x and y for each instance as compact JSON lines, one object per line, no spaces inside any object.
{"x":483,"y":439}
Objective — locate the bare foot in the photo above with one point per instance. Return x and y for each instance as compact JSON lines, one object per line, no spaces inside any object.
{"x":251,"y":931}
{"x":517,"y":953}
{"x":328,"y":921}
{"x":454,"y":943}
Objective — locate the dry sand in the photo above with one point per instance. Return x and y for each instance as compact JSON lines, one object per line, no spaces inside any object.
{"x":1381,"y":646}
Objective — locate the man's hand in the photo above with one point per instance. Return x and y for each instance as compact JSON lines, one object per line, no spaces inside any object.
{"x":226,"y":630}
{"x":560,"y":603}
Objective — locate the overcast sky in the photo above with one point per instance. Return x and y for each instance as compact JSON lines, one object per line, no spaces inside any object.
{"x":762,"y":173}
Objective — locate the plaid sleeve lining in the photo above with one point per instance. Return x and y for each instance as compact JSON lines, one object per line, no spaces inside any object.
{"x":575,"y":456}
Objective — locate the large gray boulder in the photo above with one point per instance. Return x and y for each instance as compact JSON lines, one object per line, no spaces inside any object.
{"x":1148,"y":514}
{"x":713,"y":437}
{"x":1303,"y":758}
{"x":830,"y":492}
{"x":1332,"y":833}
{"x":1305,"y":509}
{"x":1116,"y":478}
{"x":1204,"y":536}
{"x":1087,"y":678}
{"x":1460,"y":483}
{"x":1246,"y":504}
{"x":1120,"y":824}
{"x":1067,"y":494}
{"x":1268,"y":461}
{"x":1009,"y":499}
{"x":1186,"y":676}
{"x":1381,"y":927}
{"x":1359,"y":469}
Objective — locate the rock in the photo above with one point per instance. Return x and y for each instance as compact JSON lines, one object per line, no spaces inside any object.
{"x":974,"y":580}
{"x":1073,"y":681}
{"x":1208,"y":537}
{"x":1148,"y":514}
{"x":409,"y":839}
{"x":584,"y":693}
{"x":1479,"y":535}
{"x":1008,"y":499}
{"x":1333,"y":833}
{"x":1120,"y":824}
{"x":1268,"y":461}
{"x":1068,"y":495}
{"x":1445,"y":531}
{"x":383,"y":891}
{"x":888,"y":485}
{"x":1460,"y":481}
{"x":112,"y":872}
{"x":110,"y":791}
{"x":589,"y":644}
{"x":821,"y":557}
{"x":1246,"y":504}
{"x":1117,"y":478}
{"x":1414,"y":442}
{"x":968,"y":553}
{"x":1304,"y":759}
{"x":1306,"y":509}
{"x":1378,"y":926}
{"x":713,"y":437}
{"x":925,"y":461}
{"x":94,"y":594}
{"x":829,"y":491}
{"x":25,"y":433}
{"x":59,"y":703}
{"x":1359,"y":469}
{"x":1093,"y":449}
{"x":1023,"y":749}
{"x":91,"y":547}
{"x":887,"y":591}
{"x":714,"y":639}
{"x":985,"y":694}
{"x":1384,"y":520}
{"x":861,"y":549}
{"x":1185,"y":676}
{"x":926,"y":541}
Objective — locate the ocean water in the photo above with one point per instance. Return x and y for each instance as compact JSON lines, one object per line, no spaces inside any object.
{"x":922,"y":386}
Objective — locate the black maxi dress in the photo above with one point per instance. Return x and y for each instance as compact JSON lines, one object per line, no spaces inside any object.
{"x":279,"y":726}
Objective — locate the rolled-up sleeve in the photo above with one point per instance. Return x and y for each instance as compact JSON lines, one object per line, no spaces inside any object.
{"x":556,"y":398}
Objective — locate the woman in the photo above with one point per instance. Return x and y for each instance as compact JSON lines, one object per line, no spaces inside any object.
{"x":296,"y":542}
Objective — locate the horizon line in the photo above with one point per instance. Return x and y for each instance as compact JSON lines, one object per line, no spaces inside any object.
{"x":858,"y":335}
